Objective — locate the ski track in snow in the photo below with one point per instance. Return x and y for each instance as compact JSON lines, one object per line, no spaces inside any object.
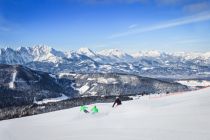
{"x":50,"y":100}
{"x":179,"y":117}
{"x":73,"y":86}
{"x":12,"y":84}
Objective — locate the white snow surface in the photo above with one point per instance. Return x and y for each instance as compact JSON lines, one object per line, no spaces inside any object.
{"x":44,"y":53}
{"x":53,"y":76}
{"x":194,"y":83}
{"x":66,"y":74}
{"x":181,"y":116}
{"x":63,"y":97}
{"x":103,"y":80}
{"x":12,"y":84}
{"x":83,"y":89}
{"x":147,"y":68}
{"x":152,"y":53}
{"x":86,"y":51}
{"x":112,"y":52}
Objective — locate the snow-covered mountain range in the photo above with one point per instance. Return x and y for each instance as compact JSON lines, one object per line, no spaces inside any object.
{"x":151,"y":63}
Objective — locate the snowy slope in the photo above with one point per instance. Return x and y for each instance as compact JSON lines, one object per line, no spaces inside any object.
{"x":87,"y":52}
{"x":193,"y":83}
{"x":12,"y":83}
{"x":115,"y":55}
{"x":146,"y":54}
{"x":175,"y":117}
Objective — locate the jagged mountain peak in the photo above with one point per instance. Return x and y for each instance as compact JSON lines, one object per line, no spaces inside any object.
{"x":22,"y":48}
{"x":42,"y":47}
{"x":152,"y":53}
{"x":44,"y":58}
{"x":113,"y":52}
{"x":46,"y":53}
{"x":8,"y":49}
{"x":86,"y":51}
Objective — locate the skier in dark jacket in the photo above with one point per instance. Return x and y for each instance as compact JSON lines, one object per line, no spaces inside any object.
{"x":117,"y":101}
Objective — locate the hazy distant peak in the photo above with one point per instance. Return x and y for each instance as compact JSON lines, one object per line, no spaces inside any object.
{"x":113,"y":52}
{"x":86,"y":51}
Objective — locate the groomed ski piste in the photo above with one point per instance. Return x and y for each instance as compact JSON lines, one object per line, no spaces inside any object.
{"x":184,"y":116}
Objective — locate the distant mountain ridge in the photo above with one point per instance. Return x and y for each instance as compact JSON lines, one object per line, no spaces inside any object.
{"x":20,"y":85}
{"x":151,"y":63}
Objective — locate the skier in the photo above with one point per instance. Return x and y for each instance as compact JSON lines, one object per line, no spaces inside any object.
{"x":84,"y":109}
{"x":94,"y":110}
{"x":117,"y":101}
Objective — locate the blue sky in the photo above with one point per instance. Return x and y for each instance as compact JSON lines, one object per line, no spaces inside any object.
{"x":130,"y":25}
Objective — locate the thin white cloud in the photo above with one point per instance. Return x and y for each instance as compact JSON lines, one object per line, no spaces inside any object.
{"x":132,"y":26}
{"x":173,"y":23}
